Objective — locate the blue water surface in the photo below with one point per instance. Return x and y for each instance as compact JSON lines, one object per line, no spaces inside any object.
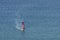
{"x":41,"y":17}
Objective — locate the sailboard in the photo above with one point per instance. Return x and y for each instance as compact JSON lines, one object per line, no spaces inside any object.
{"x":20,"y":24}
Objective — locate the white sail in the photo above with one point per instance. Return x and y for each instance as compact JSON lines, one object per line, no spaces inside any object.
{"x":18,"y":23}
{"x":19,"y":20}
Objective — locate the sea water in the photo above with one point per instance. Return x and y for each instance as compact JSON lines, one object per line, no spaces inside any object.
{"x":41,"y":17}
